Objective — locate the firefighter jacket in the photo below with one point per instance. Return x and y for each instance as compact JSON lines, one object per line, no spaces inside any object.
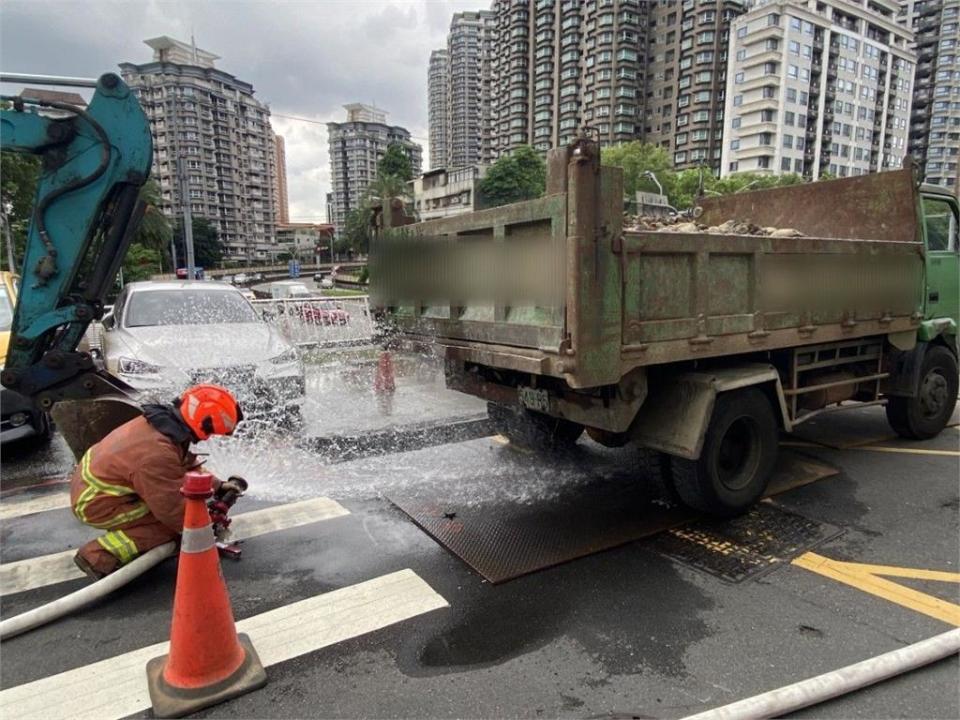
{"x":141,"y":464}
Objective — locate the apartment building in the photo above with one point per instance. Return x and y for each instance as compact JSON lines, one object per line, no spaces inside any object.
{"x":687,"y":78}
{"x":445,"y":193}
{"x":465,"y":89}
{"x":438,"y":82}
{"x":459,"y":92}
{"x":221,"y":133}
{"x":935,"y":121}
{"x":306,"y":241}
{"x":282,"y":199}
{"x":356,"y":148}
{"x":559,"y":65}
{"x":818,"y":86}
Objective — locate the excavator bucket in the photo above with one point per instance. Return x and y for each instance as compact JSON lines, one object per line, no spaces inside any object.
{"x":85,"y":422}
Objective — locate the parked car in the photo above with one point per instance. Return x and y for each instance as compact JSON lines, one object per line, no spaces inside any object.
{"x":240,"y":278}
{"x":20,"y":419}
{"x":323,"y":312}
{"x":163,"y":336}
{"x":197,"y":273}
{"x":324,"y":281}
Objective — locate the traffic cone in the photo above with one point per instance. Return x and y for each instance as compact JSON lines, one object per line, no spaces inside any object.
{"x":384,"y":381}
{"x":208,"y":662}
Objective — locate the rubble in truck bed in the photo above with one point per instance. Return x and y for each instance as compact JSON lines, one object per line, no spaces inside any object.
{"x":681,"y":224}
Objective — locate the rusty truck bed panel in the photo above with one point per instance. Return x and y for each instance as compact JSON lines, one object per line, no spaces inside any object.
{"x":693,"y":296}
{"x":878,"y":206}
{"x":610,"y":300}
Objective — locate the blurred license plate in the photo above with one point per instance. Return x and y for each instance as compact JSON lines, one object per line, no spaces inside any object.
{"x":535,"y":399}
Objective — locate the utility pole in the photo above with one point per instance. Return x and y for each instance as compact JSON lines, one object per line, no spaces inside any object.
{"x":183,"y":182}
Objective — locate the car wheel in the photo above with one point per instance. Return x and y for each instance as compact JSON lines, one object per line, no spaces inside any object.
{"x":924,"y":416}
{"x":738,"y":455}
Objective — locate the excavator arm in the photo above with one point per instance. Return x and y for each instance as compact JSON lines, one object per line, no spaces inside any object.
{"x":94,"y":162}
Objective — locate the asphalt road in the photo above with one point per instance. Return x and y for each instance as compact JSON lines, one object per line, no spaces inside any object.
{"x":628,"y":632}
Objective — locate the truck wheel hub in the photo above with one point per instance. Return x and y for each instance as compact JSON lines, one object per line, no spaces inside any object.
{"x":738,"y":454}
{"x":933,"y":393}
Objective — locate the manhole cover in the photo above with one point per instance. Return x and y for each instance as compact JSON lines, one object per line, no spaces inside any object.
{"x":746,"y":546}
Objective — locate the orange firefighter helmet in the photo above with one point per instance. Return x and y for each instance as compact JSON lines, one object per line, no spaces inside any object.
{"x":209,"y":410}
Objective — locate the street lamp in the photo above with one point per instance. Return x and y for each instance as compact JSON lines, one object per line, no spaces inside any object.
{"x":650,"y":176}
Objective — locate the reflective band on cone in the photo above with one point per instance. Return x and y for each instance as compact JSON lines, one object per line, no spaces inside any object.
{"x":208,"y":663}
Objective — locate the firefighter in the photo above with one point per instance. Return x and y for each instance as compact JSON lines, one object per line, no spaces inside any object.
{"x":129,"y":483}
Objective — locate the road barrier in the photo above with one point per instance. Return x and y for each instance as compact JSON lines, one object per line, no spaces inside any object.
{"x":319,"y":322}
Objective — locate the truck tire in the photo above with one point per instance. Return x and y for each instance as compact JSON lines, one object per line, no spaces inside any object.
{"x":533,"y":430}
{"x":739,"y":451}
{"x":924,"y":416}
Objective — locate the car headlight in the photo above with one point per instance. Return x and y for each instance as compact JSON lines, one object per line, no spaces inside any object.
{"x":132,"y":366}
{"x":286,"y":357}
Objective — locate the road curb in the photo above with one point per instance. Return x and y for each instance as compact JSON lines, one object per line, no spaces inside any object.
{"x":341,"y":448}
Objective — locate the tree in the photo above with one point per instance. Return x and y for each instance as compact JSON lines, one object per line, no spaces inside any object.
{"x":155,"y":229}
{"x":387,"y":186}
{"x":140,"y":263}
{"x":637,"y":159}
{"x":357,"y":229}
{"x":521,"y":175}
{"x":395,"y":163}
{"x":207,"y":248}
{"x":19,"y":176}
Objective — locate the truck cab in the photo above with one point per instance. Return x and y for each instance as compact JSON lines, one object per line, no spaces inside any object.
{"x":289,"y":290}
{"x":940,"y":229}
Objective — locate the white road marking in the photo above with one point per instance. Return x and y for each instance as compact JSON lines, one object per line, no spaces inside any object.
{"x":58,"y":567}
{"x":117,"y":687}
{"x":18,"y":508}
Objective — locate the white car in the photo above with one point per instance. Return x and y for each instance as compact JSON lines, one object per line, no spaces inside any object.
{"x":165,"y":336}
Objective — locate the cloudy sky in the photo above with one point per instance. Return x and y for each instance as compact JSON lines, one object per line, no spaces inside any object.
{"x":306,"y":59}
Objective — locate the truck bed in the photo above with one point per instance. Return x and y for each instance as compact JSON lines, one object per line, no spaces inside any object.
{"x":556,"y":287}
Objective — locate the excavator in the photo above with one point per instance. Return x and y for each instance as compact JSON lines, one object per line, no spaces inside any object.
{"x":87,"y":210}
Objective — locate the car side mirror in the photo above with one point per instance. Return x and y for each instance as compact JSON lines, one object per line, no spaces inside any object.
{"x":108,"y":322}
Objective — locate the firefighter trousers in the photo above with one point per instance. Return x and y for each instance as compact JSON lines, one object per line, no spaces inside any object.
{"x":131,"y":531}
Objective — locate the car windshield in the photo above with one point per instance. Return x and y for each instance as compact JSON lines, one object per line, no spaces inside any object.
{"x":6,"y":309}
{"x":187,"y":307}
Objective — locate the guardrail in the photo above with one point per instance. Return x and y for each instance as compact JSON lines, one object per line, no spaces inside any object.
{"x":306,"y":269}
{"x":319,"y":322}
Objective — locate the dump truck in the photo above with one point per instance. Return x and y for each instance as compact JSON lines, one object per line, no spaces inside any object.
{"x":699,"y":345}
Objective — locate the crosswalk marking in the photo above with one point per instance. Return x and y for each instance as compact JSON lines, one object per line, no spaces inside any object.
{"x":117,"y":687}
{"x":43,"y":503}
{"x":58,"y":567}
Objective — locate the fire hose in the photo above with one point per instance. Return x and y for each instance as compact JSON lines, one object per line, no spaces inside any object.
{"x":827,"y":686}
{"x":87,"y":595}
{"x":32,"y":619}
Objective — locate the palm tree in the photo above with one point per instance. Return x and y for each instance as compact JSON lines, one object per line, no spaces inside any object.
{"x":388,"y":186}
{"x":155,"y":229}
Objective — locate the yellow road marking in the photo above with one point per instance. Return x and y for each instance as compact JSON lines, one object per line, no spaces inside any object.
{"x":867,"y":578}
{"x":871,"y":448}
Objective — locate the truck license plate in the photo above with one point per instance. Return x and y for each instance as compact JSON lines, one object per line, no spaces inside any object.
{"x":535,"y":399}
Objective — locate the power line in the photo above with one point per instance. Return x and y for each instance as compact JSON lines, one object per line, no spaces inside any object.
{"x":324,"y":122}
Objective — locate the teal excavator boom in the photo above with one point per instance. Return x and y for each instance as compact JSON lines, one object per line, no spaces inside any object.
{"x":87,"y":210}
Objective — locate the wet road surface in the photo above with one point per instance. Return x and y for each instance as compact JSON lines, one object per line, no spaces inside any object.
{"x":629,"y":632}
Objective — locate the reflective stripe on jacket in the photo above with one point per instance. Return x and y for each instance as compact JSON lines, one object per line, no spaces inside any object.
{"x":138,"y":464}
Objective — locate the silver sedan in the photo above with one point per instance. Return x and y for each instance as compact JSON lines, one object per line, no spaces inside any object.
{"x":162,"y":337}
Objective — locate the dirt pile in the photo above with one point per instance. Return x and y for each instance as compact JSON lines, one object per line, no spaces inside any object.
{"x":680,"y":224}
